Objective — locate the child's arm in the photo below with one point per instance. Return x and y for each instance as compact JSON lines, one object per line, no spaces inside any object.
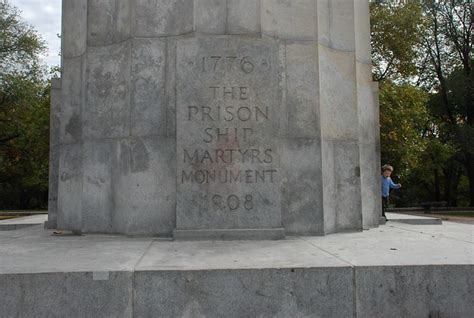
{"x":393,"y":185}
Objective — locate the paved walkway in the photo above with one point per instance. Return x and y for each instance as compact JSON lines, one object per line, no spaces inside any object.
{"x":22,"y":222}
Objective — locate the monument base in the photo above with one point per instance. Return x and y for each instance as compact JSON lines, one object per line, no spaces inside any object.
{"x":396,"y":270}
{"x":229,"y":235}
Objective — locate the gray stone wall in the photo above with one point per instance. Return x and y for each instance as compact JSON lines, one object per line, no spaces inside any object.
{"x":54,"y":148}
{"x":134,"y":84}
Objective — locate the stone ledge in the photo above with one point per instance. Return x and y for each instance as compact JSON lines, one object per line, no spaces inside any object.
{"x":396,"y":270}
{"x":229,"y":235}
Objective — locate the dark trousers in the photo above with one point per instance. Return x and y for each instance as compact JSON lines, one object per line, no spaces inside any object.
{"x":384,"y":205}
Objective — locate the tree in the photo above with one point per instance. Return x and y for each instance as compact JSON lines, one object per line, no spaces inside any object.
{"x":426,"y":47}
{"x":24,"y":114}
{"x":396,"y":32}
{"x":448,"y":42}
{"x":403,"y":118}
{"x":20,"y":45}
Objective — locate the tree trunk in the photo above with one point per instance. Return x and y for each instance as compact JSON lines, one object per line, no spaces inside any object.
{"x":470,"y":176}
{"x":437,"y":186}
{"x":449,"y":175}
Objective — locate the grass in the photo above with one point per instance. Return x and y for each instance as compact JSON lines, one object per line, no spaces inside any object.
{"x":6,"y":217}
{"x":460,"y":214}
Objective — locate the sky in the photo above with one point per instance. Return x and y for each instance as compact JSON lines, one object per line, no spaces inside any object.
{"x":45,"y":17}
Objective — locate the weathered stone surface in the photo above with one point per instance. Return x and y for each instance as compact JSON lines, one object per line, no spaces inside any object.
{"x":54,"y":148}
{"x":129,"y":186}
{"x":106,"y":112}
{"x":145,"y":190}
{"x":415,"y":291}
{"x":340,"y":137}
{"x":70,"y":187}
{"x":98,"y":192}
{"x":336,"y":24}
{"x":210,"y":16}
{"x":228,"y":165}
{"x":338,"y":101}
{"x":370,"y":184}
{"x":341,"y":183}
{"x":362,"y":32}
{"x":164,"y":92}
{"x":154,"y":18}
{"x":394,"y":271}
{"x":171,"y":86}
{"x":66,"y":294}
{"x":148,"y":91}
{"x":292,"y":20}
{"x":302,"y":202}
{"x":245,"y":293}
{"x":74,"y":28}
{"x":108,"y":21}
{"x":302,"y":90}
{"x":243,"y":17}
{"x":70,"y":124}
{"x":369,"y":146}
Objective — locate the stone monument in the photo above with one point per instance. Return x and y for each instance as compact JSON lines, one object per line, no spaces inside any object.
{"x":215,"y":119}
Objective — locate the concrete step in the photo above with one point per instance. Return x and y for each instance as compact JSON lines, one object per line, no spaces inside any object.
{"x":412,"y":219}
{"x":396,"y":270}
{"x":22,"y":222}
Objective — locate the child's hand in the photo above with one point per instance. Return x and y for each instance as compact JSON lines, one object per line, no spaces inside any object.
{"x":399,"y":185}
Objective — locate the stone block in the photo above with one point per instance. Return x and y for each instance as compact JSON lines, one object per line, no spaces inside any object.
{"x":370,"y":185}
{"x":414,"y":291}
{"x":70,"y":124}
{"x":336,"y":26}
{"x":145,"y":189}
{"x":299,"y":292}
{"x":54,"y":148}
{"x":68,"y":294}
{"x":70,"y":187}
{"x":203,"y":97}
{"x":55,"y":112}
{"x":369,"y":147}
{"x":53,"y":183}
{"x":74,"y":28}
{"x":338,"y":101}
{"x":148,"y":90}
{"x":302,"y":201}
{"x":302,"y":90}
{"x":108,"y":22}
{"x":210,"y":16}
{"x":292,"y":20}
{"x":229,"y":235}
{"x":171,"y":86}
{"x":129,"y":186}
{"x":243,"y":17}
{"x":154,"y":18}
{"x":362,"y":32}
{"x":106,"y":112}
{"x":228,"y":165}
{"x":341,"y":183}
{"x":99,"y":182}
{"x":366,"y":104}
{"x":329,"y":186}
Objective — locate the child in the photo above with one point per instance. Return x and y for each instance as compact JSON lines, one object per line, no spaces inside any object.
{"x":387,"y":184}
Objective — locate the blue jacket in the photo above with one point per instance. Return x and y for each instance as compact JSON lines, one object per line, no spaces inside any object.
{"x":387,"y":184}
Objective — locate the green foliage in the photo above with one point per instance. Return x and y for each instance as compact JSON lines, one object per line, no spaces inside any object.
{"x":422,"y":55}
{"x":396,"y":34}
{"x":24,"y":115}
{"x":403,"y":118}
{"x":20,"y":45}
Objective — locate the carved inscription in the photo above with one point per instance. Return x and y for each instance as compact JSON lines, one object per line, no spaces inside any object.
{"x":225,"y":107}
{"x":230,"y":165}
